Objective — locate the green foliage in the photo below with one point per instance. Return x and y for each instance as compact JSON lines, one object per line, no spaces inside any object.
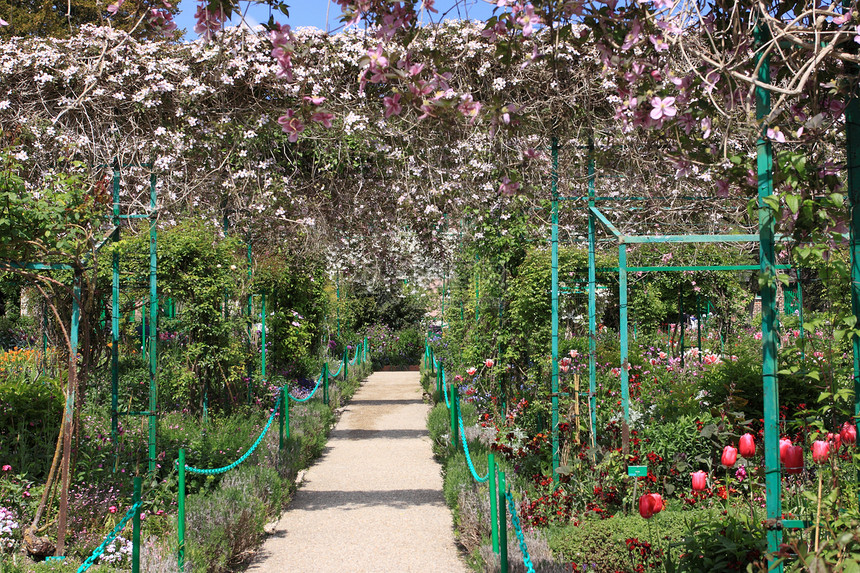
{"x":722,"y":543}
{"x":600,"y":544}
{"x":30,"y":414}
{"x":57,"y":219}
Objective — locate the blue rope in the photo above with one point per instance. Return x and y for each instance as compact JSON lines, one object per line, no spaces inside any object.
{"x":444,"y":386}
{"x":221,"y":470}
{"x":475,"y":475}
{"x":99,"y":551}
{"x":309,"y":396}
{"x":527,"y":560}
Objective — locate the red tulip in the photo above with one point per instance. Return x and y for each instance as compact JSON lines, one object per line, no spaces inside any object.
{"x":820,"y":451}
{"x":848,"y":433}
{"x":834,"y":439}
{"x":471,"y":371}
{"x":792,"y":459}
{"x":747,"y":446}
{"x":783,"y":444}
{"x":700,"y":481}
{"x":730,"y":456}
{"x":489,"y":362}
{"x":650,"y":504}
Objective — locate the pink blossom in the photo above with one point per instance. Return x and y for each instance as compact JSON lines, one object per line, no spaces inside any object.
{"x":291,"y":124}
{"x":3,"y":22}
{"x":527,"y":19}
{"x":392,"y":105}
{"x":508,"y":187}
{"x":775,"y":134}
{"x":112,"y":509}
{"x":377,"y":60}
{"x":706,"y":127}
{"x":469,"y":107}
{"x":162,"y":20}
{"x":114,"y":8}
{"x":283,"y":43}
{"x":659,"y":44}
{"x":208,"y":22}
{"x":315,"y":100}
{"x":632,"y":37}
{"x":7,"y":468}
{"x":323,"y":117}
{"x":663,"y":107}
{"x":662,"y":4}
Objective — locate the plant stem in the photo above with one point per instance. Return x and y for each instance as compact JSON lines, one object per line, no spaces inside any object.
{"x":818,"y":511}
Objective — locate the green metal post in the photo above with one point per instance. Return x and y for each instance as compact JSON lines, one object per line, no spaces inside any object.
{"x":135,"y":531}
{"x":592,"y":302}
{"x":768,"y":302}
{"x":153,"y":321}
{"x":249,"y":370}
{"x":494,"y":518}
{"x":699,"y":325}
{"x":263,"y":339}
{"x":681,"y":322}
{"x":442,"y":328}
{"x":114,"y":323}
{"x":852,"y":129}
{"x":477,"y":290}
{"x":503,"y":524}
{"x":554,"y":380}
{"x":284,"y":417}
{"x":337,"y":308}
{"x":143,"y":329}
{"x":439,"y":384}
{"x":345,"y":363}
{"x":622,"y":327}
{"x":180,"y":513}
{"x":325,"y":382}
{"x":800,"y":317}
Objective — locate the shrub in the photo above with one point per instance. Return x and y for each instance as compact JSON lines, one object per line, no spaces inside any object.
{"x":222,"y":526}
{"x":30,"y":414}
{"x":601,"y":544}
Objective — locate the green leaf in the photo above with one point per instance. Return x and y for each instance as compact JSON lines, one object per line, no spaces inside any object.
{"x":793,"y":202}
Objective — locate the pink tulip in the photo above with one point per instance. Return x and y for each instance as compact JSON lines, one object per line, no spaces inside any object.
{"x":489,"y":362}
{"x":730,"y":456}
{"x":848,"y":433}
{"x":820,"y":451}
{"x":747,"y":446}
{"x":700,"y":481}
{"x":792,"y":459}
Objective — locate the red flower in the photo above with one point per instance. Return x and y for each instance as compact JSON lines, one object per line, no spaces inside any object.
{"x":489,"y":363}
{"x":700,"y":481}
{"x":820,"y":451}
{"x":650,"y":504}
{"x":730,"y":456}
{"x":848,"y":433}
{"x":747,"y":445}
{"x":792,"y":459}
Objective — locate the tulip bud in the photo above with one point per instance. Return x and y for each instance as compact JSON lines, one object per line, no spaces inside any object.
{"x":792,"y":459}
{"x":471,"y":371}
{"x":730,"y":456}
{"x":783,"y":444}
{"x":820,"y":451}
{"x":489,"y":362}
{"x":747,"y":446}
{"x":700,"y":480}
{"x":848,"y":433}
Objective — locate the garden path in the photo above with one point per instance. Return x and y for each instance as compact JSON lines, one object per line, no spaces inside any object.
{"x":373,"y":502}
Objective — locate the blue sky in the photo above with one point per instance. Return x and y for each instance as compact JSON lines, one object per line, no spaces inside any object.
{"x":313,"y":13}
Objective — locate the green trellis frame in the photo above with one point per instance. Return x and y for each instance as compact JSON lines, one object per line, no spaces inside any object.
{"x":152,"y":359}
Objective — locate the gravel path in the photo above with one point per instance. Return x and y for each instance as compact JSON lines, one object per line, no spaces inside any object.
{"x":373,"y":502}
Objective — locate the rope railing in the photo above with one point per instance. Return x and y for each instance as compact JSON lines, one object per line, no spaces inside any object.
{"x":515,"y":520}
{"x":311,"y":395}
{"x":99,"y":551}
{"x":498,"y":518}
{"x":469,"y":462}
{"x":228,"y":467}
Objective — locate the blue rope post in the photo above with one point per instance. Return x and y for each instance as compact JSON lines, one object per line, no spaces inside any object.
{"x":135,"y":536}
